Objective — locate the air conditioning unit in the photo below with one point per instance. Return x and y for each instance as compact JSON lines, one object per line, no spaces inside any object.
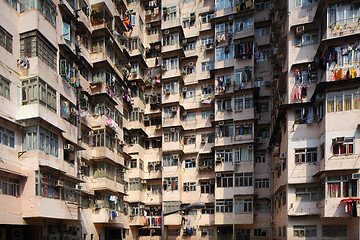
{"x":221,"y":123}
{"x":174,"y":109}
{"x":78,"y":187}
{"x":122,"y":142}
{"x":59,"y":183}
{"x":203,"y":140}
{"x":148,"y":25}
{"x":184,"y":89}
{"x":282,"y":156}
{"x":143,"y":181}
{"x":166,"y":32}
{"x":231,"y":17}
{"x":146,"y":118}
{"x":167,"y":91}
{"x":97,"y":206}
{"x":184,"y":41}
{"x":172,"y":129}
{"x":69,"y":147}
{"x":176,"y":157}
{"x":191,"y":65}
{"x":299,"y":30}
{"x":218,"y":175}
{"x":355,"y":176}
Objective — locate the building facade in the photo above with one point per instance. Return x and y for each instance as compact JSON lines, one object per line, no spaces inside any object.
{"x":314,"y":104}
{"x":114,"y":111}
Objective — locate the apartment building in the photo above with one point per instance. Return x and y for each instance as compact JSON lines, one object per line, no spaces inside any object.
{"x":315,"y":131}
{"x":115,"y":111}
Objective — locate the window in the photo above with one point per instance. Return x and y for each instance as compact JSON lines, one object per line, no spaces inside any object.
{"x":305,"y":155}
{"x":249,"y":101}
{"x":209,"y":209}
{"x":189,"y":186}
{"x":334,"y":230}
{"x":171,"y":39}
{"x":260,"y":232}
{"x":222,"y":4}
{"x":263,"y":132}
{"x":133,"y":163}
{"x":262,"y":31}
{"x":305,"y":231}
{"x":244,"y":50}
{"x":243,"y":205}
{"x":190,"y":163}
{"x":263,"y":107}
{"x":243,"y":179}
{"x":9,"y":186}
{"x":306,"y":194}
{"x":170,"y":160}
{"x":39,"y":138}
{"x":239,"y":102}
{"x":104,"y":170}
{"x":134,"y":115}
{"x":224,"y":205}
{"x":189,"y":69}
{"x":207,"y":17}
{"x":33,"y":44}
{"x":102,"y":138}
{"x":135,"y":184}
{"x":47,"y":9}
{"x":171,"y":63}
{"x":222,"y":53}
{"x":243,"y":129}
{"x":188,"y":21}
{"x":308,"y":38}
{"x":35,"y":90}
{"x":302,"y":3}
{"x":191,"y":93}
{"x":207,"y":187}
{"x":262,"y":5}
{"x":343,"y":146}
{"x":259,"y":82}
{"x":244,"y":154}
{"x":207,"y":41}
{"x":69,"y":153}
{"x":6,"y":39}
{"x":262,"y":183}
{"x":243,"y":234}
{"x":207,"y":114}
{"x":4,"y":87}
{"x":171,"y":13}
{"x":7,"y":137}
{"x":226,"y":180}
{"x":207,"y":66}
{"x":190,"y":116}
{"x":243,"y":24}
{"x":171,"y":184}
{"x":170,"y":112}
{"x":171,"y":87}
{"x":190,"y":46}
{"x":260,"y":158}
{"x":46,"y":185}
{"x":136,"y":209}
{"x":224,"y":104}
{"x":243,"y":76}
{"x":154,"y":30}
{"x":171,"y":136}
{"x":337,"y":186}
{"x":263,"y":56}
{"x":224,"y":155}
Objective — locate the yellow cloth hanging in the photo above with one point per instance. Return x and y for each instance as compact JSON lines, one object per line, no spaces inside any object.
{"x":353,"y":73}
{"x":339,"y":75}
{"x":248,"y":4}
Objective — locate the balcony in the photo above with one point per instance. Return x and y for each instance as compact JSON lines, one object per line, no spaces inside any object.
{"x":102,"y":216}
{"x":171,"y":24}
{"x":102,"y":153}
{"x":237,"y":115}
{"x":136,"y":220}
{"x":174,"y":219}
{"x":262,"y":16}
{"x":168,"y":97}
{"x":303,"y":209}
{"x":43,"y":207}
{"x":152,"y":199}
{"x":152,"y":15}
{"x":134,"y":148}
{"x":333,"y":207}
{"x":227,"y":63}
{"x":105,"y":183}
{"x":170,"y":122}
{"x":234,"y":218}
{"x":172,"y":146}
{"x":173,"y":49}
{"x":171,"y":73}
{"x":205,"y":26}
{"x":12,"y":209}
